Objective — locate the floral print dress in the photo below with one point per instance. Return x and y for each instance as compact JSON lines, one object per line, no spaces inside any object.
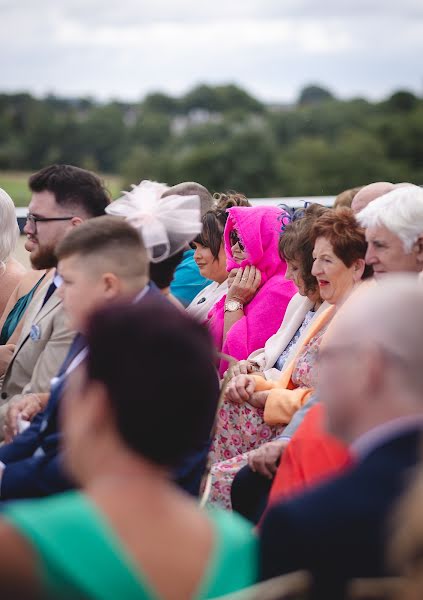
{"x":241,"y":429}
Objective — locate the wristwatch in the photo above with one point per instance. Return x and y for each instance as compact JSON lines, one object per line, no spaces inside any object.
{"x":233,"y":305}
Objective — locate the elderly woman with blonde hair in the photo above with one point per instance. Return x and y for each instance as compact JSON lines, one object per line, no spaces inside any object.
{"x":11,"y":270}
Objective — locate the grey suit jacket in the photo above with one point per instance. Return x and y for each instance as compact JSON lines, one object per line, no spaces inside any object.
{"x":37,"y":358}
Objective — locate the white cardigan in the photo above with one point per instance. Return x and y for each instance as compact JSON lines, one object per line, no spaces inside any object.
{"x":296,"y":310}
{"x":206,"y":299}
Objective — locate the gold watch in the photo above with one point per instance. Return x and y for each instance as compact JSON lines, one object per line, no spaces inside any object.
{"x":233,"y":305}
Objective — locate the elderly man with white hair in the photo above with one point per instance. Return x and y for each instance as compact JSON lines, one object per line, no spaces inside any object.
{"x":372,"y":386}
{"x":394,"y":231}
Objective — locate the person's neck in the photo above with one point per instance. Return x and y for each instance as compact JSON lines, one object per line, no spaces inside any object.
{"x":391,"y":410}
{"x":317,"y":302}
{"x":131,"y":289}
{"x":115,"y":464}
{"x":345,"y":296}
{"x":222,"y":278}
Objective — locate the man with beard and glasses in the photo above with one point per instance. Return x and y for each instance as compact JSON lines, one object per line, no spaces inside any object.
{"x":63,"y":197}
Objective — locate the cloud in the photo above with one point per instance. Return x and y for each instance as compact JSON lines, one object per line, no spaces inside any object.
{"x":272,"y":48}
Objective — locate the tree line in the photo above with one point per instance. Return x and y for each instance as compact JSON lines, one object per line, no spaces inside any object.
{"x":222,"y":137}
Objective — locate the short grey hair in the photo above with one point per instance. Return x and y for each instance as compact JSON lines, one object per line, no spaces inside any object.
{"x":9,"y":228}
{"x":400,"y":211}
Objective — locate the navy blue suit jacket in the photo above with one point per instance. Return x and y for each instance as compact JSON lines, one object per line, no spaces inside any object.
{"x":27,"y":475}
{"x":340,"y":529}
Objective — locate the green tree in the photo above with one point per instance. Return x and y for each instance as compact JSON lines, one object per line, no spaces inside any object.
{"x":314,"y":94}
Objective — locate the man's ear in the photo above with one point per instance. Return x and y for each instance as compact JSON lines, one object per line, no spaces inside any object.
{"x":418,"y":248}
{"x":112,"y":285}
{"x":359,"y":266}
{"x":375,"y":369}
{"x":75,"y":221}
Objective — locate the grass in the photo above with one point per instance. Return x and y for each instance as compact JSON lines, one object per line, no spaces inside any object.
{"x":16,"y":185}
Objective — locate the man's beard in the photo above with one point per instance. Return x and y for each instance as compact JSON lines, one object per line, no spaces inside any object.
{"x":44,"y":258}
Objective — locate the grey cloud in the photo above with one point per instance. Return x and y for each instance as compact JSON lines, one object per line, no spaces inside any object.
{"x":105,"y":12}
{"x":272,"y":47}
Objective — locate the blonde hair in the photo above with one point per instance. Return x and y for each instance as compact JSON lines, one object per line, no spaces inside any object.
{"x":9,"y":233}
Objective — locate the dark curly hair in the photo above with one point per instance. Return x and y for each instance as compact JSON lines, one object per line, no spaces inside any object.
{"x":214,"y":220}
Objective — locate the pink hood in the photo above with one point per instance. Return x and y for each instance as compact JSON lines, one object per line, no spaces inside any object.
{"x":259,"y":229}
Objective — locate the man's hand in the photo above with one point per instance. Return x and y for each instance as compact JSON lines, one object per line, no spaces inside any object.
{"x":26,"y":407}
{"x":240,"y":389}
{"x":258,"y":399}
{"x":265,"y":459}
{"x":6,"y":353}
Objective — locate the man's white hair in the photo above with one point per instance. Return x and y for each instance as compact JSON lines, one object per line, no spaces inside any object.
{"x":9,"y":229}
{"x":400,"y":211}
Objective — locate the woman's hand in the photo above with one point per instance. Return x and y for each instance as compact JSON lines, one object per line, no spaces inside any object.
{"x":240,"y":389}
{"x":244,"y":285}
{"x":243,"y":367}
{"x":231,"y":277}
{"x":258,"y":399}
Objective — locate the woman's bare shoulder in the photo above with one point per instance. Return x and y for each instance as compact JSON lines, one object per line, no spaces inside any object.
{"x":27,"y":282}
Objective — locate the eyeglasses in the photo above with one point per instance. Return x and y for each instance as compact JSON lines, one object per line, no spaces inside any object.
{"x":234,"y":239}
{"x":33,"y":220}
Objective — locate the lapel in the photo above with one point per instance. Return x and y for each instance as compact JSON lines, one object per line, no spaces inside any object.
{"x":78,"y":344}
{"x":37,"y":315}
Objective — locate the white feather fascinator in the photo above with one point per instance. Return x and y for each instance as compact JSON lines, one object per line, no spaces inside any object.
{"x":166,"y":225}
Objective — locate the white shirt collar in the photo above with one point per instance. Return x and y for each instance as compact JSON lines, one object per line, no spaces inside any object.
{"x":141,"y":294}
{"x":57,"y":280}
{"x":369,"y":441}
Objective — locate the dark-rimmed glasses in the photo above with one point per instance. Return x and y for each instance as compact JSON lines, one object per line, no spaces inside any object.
{"x":33,"y":220}
{"x":234,"y":239}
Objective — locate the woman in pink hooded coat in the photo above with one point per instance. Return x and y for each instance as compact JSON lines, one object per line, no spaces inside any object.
{"x":258,"y":294}
{"x":257,"y":283}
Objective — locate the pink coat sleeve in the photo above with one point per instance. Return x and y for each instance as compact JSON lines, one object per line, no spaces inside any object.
{"x":262,"y":318}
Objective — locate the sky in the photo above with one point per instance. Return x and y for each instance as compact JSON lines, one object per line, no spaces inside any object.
{"x":125,"y":49}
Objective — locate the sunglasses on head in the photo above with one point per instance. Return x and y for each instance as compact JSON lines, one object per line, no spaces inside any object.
{"x":234,"y":238}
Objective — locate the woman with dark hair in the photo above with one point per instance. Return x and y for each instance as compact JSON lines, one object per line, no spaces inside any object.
{"x":339,"y":267}
{"x":258,"y":292}
{"x":210,"y":255}
{"x":296,"y":247}
{"x":241,"y":428}
{"x":131,"y":533}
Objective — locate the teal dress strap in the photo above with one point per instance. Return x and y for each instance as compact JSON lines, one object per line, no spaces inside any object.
{"x":17,"y":313}
{"x":234,"y":565}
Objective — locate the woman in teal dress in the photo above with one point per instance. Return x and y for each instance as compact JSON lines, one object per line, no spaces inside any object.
{"x":131,"y":533}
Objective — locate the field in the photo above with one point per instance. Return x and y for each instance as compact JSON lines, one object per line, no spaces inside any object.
{"x":15,"y":184}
